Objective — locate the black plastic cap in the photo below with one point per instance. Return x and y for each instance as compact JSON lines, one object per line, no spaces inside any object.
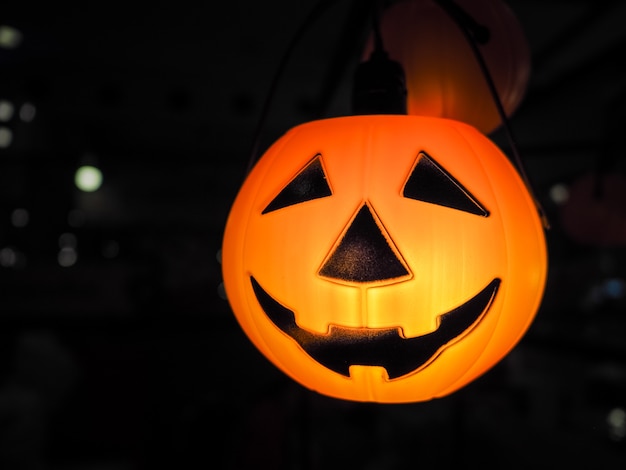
{"x":379,"y":86}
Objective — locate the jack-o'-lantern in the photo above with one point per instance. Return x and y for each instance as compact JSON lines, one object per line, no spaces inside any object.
{"x":385,"y":258}
{"x":443,"y":76}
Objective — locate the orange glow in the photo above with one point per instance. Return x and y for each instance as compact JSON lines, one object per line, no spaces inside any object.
{"x":443,"y":77}
{"x":352,"y":236}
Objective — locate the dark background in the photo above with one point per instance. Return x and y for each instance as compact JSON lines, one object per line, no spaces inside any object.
{"x":130,"y":358}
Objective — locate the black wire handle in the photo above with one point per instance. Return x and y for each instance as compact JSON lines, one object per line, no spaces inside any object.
{"x":477,"y":34}
{"x":377,"y":7}
{"x":316,"y":12}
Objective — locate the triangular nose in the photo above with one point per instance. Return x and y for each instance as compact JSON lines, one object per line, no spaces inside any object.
{"x":365,"y":253}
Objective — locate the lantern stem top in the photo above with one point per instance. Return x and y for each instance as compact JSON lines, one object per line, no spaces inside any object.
{"x":379,"y":86}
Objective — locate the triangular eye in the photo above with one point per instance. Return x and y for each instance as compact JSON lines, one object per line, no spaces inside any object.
{"x":431,"y":183}
{"x":309,"y":184}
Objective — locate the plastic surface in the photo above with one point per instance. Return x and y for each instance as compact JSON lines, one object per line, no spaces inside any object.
{"x":458,"y":286}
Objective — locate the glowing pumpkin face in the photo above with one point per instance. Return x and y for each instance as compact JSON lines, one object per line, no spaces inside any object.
{"x":384,"y":258}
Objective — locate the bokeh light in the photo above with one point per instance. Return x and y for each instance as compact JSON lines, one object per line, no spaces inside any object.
{"x":20,"y":217}
{"x":559,"y":193}
{"x":88,"y":178}
{"x":6,"y":110}
{"x":27,"y":112}
{"x":10,"y":37}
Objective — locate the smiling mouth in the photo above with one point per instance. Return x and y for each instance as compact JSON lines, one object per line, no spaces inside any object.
{"x":343,"y":347}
